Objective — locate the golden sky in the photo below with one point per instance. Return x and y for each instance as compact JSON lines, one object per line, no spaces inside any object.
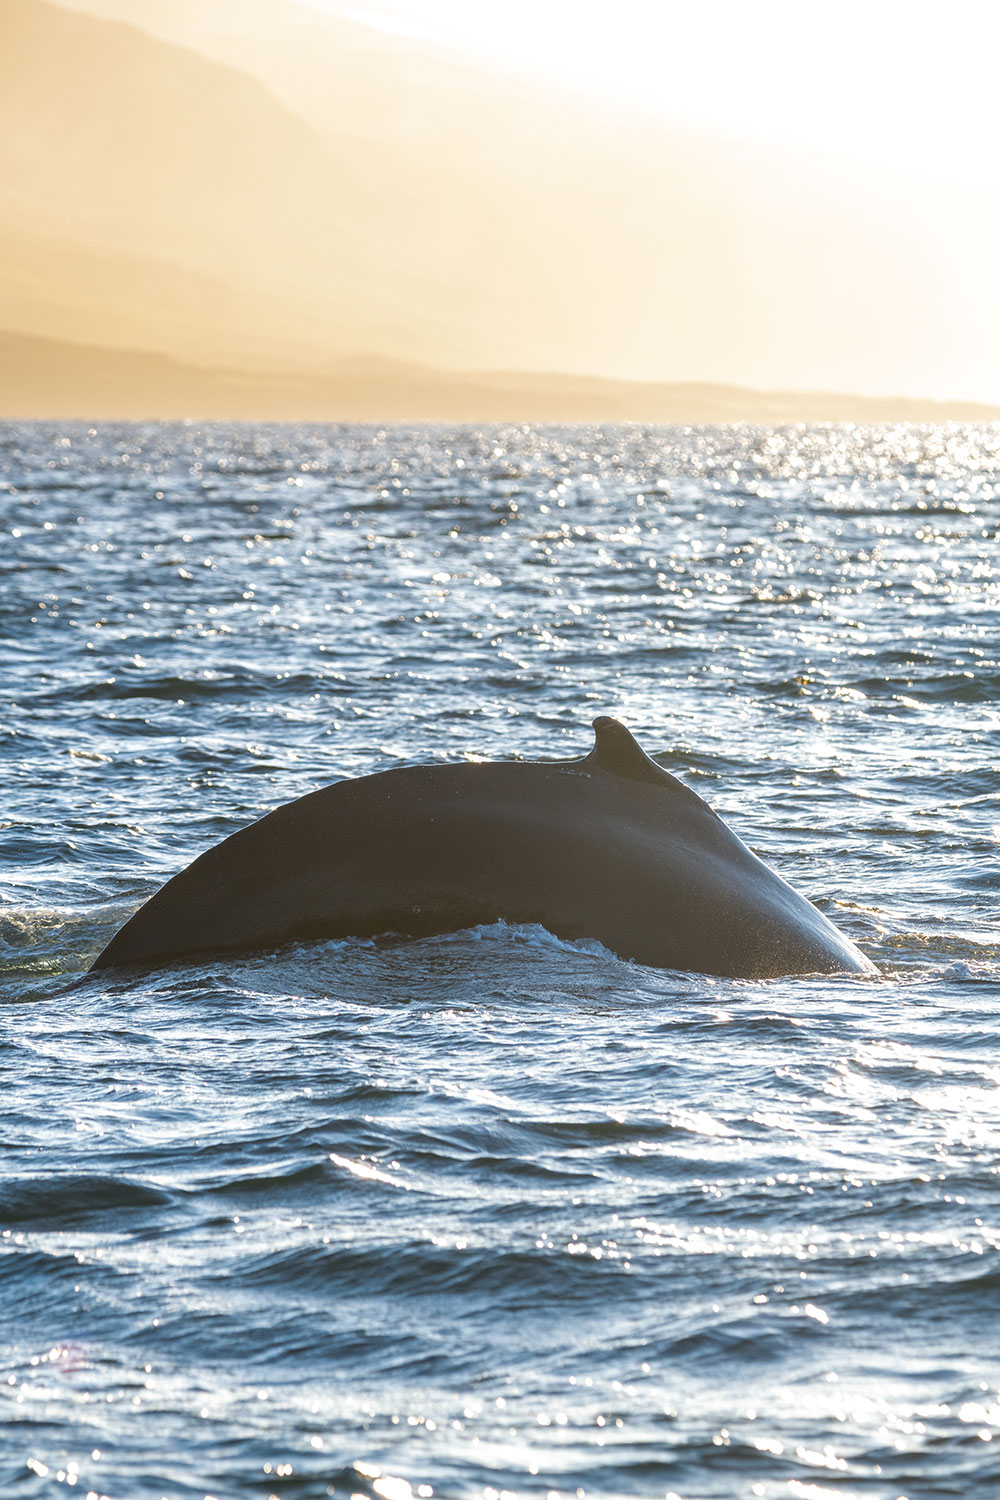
{"x":799,"y":196}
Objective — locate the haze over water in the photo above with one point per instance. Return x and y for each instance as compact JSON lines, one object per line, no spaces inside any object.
{"x":490,"y":1213}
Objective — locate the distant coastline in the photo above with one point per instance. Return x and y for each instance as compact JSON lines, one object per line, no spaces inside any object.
{"x":46,"y":378}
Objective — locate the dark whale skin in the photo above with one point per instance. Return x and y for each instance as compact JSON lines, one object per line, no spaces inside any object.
{"x":610,"y":847}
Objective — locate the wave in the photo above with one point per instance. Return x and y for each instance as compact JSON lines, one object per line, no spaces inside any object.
{"x":70,"y":1197}
{"x":508,"y":1277}
{"x":48,"y":941}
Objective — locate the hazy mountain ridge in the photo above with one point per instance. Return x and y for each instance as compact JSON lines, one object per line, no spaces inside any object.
{"x":46,"y":378}
{"x":131,"y":147}
{"x":228,"y":199}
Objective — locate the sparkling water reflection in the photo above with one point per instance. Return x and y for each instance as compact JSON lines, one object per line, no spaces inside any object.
{"x":492,"y":1214}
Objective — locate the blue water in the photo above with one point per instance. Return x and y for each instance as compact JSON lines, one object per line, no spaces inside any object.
{"x":491,"y":1214}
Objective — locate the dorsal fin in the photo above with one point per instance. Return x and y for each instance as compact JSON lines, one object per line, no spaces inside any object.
{"x":616,"y":751}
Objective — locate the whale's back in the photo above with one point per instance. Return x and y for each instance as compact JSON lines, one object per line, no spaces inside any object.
{"x":610,"y":847}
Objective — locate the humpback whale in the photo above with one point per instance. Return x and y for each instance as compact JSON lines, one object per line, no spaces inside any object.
{"x":610,"y":847}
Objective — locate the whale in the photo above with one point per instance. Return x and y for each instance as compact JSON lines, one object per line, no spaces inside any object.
{"x":609,"y":847}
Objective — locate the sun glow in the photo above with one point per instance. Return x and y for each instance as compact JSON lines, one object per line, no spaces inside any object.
{"x":909,"y":84}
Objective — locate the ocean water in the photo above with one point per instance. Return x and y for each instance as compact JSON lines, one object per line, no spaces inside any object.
{"x":492,"y":1214}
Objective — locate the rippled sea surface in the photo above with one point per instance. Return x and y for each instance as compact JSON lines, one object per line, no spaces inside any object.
{"x":491,"y":1214}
